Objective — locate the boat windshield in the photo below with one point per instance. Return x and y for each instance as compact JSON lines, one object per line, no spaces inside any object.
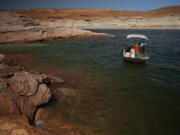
{"x":137,"y":36}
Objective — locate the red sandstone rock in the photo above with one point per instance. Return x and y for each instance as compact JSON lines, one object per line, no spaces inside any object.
{"x":3,"y":84}
{"x":25,"y":107}
{"x":1,"y":57}
{"x":44,"y":76}
{"x":41,"y":114}
{"x":23,"y":83}
{"x":42,"y":95}
{"x":38,"y":77}
{"x":8,"y":71}
{"x":25,"y":92}
{"x":53,"y":79}
{"x":6,"y":98}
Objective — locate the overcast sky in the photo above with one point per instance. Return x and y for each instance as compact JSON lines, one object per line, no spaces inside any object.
{"x":140,"y":5}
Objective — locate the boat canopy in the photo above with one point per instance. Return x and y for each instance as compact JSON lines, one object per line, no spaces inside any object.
{"x":136,"y":36}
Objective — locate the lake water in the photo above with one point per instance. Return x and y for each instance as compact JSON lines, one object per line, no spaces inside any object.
{"x":117,"y":98}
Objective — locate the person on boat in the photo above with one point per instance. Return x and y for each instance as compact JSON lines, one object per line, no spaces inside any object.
{"x":132,"y":52}
{"x":142,"y":46}
{"x":137,"y":48}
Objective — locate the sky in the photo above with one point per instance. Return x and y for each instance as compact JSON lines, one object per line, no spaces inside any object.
{"x":136,"y":5}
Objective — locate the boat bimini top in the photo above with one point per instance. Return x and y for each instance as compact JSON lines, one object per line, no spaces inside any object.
{"x":136,"y":36}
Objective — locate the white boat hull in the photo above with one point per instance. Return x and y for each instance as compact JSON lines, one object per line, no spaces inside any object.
{"x":135,"y":59}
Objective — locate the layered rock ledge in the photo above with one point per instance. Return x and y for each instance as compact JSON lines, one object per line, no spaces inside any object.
{"x":17,"y":28}
{"x":163,"y":18}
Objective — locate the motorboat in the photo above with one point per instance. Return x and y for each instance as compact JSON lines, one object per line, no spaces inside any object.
{"x":136,"y":49}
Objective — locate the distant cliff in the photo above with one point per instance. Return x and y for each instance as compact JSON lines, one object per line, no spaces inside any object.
{"x":15,"y":27}
{"x":48,"y":24}
{"x":164,"y":18}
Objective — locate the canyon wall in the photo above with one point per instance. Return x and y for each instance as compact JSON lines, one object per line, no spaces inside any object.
{"x":49,"y":24}
{"x":115,"y":23}
{"x":19,"y":28}
{"x":164,"y":18}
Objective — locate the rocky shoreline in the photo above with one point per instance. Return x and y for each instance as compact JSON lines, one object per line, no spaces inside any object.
{"x":23,"y":95}
{"x":16,"y":28}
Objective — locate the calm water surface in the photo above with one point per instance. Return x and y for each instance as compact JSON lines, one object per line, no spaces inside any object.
{"x":119,"y":98}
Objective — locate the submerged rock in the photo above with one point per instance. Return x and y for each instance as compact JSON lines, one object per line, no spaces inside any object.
{"x":66,"y":92}
{"x":3,"y":66}
{"x":66,"y":96}
{"x":1,"y":58}
{"x":39,"y":123}
{"x":54,"y":79}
